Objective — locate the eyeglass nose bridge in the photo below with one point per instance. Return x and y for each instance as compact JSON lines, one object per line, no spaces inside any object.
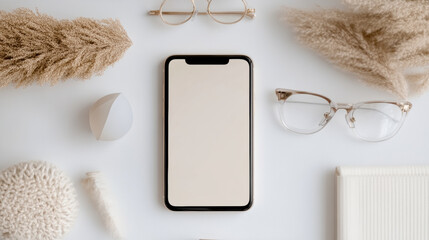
{"x":349,"y":115}
{"x":345,"y":106}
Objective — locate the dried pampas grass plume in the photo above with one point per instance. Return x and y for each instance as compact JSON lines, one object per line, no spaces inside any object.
{"x":38,"y":48}
{"x":398,"y":8}
{"x":377,"y":41}
{"x":95,"y":185}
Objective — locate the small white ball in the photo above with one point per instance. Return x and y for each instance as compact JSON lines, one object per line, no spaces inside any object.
{"x":111,"y":117}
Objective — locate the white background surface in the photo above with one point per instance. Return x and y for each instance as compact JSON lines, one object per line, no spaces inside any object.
{"x":294,"y":175}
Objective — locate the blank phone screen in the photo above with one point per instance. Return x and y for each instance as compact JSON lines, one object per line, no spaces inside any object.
{"x":209,"y":133}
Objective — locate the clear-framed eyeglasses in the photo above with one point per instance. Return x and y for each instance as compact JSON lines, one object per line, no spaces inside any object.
{"x":176,"y":12}
{"x":307,"y":113}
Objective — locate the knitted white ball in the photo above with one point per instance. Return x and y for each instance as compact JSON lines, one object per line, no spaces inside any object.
{"x":37,"y":201}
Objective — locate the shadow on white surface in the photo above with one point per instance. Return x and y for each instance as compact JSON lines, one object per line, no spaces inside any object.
{"x":160,"y":158}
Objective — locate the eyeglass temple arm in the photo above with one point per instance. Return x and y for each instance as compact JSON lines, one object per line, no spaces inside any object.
{"x":249,"y":13}
{"x":372,"y":109}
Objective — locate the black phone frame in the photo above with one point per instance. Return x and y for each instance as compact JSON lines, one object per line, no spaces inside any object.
{"x":207,"y":59}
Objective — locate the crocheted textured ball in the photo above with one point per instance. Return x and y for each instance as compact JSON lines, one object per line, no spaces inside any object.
{"x":37,"y":201}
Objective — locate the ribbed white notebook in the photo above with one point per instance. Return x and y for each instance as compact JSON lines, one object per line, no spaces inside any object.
{"x":383,"y":203}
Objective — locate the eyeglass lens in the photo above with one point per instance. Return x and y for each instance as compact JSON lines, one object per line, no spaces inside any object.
{"x":377,"y":121}
{"x":304,"y":113}
{"x":176,"y":11}
{"x":227,"y":11}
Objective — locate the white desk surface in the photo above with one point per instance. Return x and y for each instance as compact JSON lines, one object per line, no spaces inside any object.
{"x":294,"y":174}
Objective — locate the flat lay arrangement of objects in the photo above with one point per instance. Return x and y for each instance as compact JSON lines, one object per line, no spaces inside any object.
{"x":180,"y":138}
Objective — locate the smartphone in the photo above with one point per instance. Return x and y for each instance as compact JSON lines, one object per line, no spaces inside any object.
{"x":208,"y":137}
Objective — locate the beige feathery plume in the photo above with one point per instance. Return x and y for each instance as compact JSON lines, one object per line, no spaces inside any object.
{"x":336,"y":36}
{"x":95,"y":185}
{"x":36,"y":48}
{"x":398,"y":8}
{"x":376,"y":41}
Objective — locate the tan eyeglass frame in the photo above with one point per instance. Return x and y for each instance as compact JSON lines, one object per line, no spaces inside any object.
{"x":284,"y":94}
{"x":248,"y":12}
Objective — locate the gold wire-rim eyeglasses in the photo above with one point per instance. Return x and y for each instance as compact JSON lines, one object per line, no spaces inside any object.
{"x":247,"y":12}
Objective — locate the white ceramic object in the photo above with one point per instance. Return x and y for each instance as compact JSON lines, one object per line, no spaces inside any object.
{"x":110,"y":117}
